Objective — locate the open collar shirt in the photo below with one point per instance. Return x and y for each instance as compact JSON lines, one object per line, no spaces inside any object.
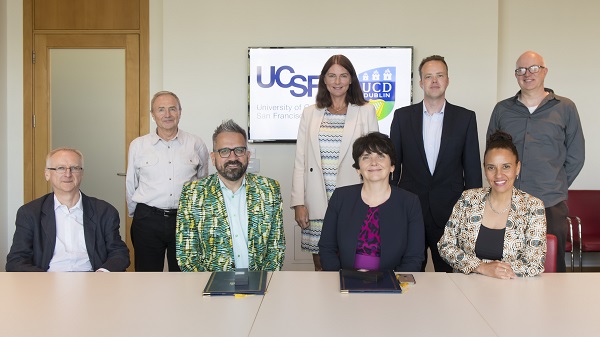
{"x":432,"y":135}
{"x":70,"y":251}
{"x":237,"y":216}
{"x":158,"y":168}
{"x":549,"y":141}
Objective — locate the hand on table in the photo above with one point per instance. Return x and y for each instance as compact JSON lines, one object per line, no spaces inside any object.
{"x":497,"y":269}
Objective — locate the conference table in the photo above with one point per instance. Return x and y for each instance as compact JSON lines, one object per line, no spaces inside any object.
{"x":296,"y":304}
{"x":119,"y":304}
{"x":552,"y":304}
{"x":310,"y":304}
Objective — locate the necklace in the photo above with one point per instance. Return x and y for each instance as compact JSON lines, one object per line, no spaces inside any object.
{"x":489,"y":199}
{"x":338,"y":109}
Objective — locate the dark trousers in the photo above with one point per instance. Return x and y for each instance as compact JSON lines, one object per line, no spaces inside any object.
{"x":433,"y":234}
{"x":556,"y":222}
{"x":153,"y":233}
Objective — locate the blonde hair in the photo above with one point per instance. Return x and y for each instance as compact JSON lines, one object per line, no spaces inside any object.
{"x":68,"y":149}
{"x":161,"y":93}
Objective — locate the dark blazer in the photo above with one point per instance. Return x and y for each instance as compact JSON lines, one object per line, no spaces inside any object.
{"x":458,"y":165}
{"x":35,"y":236}
{"x":400,"y":228}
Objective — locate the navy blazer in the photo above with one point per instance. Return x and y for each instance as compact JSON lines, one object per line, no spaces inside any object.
{"x":35,"y":236}
{"x":400,"y":228}
{"x":458,"y":165}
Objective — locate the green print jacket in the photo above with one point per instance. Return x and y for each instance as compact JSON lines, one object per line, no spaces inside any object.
{"x":203,"y":235}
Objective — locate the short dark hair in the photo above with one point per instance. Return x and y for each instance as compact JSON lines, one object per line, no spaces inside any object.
{"x":374,"y":142}
{"x":354,"y":94}
{"x":229,"y":126}
{"x":501,"y":140}
{"x":431,"y":58}
{"x":161,"y":93}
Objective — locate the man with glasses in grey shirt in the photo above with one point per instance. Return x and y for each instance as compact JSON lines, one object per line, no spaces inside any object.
{"x":547,"y":132}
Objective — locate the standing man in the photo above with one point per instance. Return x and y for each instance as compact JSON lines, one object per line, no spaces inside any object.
{"x":547,"y":133}
{"x":437,"y":153}
{"x":66,"y":230}
{"x":231,"y":219}
{"x":159,"y":164}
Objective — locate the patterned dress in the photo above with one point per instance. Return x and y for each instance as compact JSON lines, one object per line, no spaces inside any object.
{"x":368,"y":245}
{"x":330,"y":139}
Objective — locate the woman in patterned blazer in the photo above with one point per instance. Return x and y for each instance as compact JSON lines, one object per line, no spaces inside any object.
{"x":498,"y":231}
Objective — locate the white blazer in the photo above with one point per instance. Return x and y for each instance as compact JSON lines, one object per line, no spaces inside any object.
{"x":308,"y":186}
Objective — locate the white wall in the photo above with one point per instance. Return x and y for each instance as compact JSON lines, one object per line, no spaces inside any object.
{"x":11,"y":159}
{"x":198,"y":49}
{"x":3,"y":129}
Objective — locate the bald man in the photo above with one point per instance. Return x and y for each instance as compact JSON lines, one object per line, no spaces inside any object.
{"x":547,"y":133}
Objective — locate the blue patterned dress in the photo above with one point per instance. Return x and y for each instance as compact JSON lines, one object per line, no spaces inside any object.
{"x":330,"y":139}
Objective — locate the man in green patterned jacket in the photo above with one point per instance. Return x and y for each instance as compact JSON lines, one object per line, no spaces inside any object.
{"x":230,"y":219}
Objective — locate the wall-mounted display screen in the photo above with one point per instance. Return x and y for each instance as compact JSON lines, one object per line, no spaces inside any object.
{"x":283,"y":81}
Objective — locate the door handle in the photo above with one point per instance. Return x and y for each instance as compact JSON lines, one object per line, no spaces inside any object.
{"x":121,"y":174}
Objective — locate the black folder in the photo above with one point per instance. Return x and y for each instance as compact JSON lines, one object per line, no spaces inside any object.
{"x":357,"y":281}
{"x":224,"y":283}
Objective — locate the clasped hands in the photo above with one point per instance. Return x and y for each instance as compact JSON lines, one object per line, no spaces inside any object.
{"x":497,"y":269}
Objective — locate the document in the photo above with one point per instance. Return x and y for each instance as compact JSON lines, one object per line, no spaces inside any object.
{"x":358,"y":281}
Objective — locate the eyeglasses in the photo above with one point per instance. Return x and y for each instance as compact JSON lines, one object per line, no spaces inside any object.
{"x":63,"y":169}
{"x":532,"y":69}
{"x":225,"y":152}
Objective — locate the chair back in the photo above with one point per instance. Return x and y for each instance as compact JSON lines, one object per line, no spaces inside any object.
{"x":585,"y":204}
{"x":551,"y":253}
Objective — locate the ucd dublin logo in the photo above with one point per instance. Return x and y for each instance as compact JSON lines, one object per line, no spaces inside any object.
{"x":379,"y":88}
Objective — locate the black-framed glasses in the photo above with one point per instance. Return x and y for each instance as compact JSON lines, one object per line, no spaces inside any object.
{"x":63,"y":169}
{"x":226,"y":151}
{"x":532,"y":69}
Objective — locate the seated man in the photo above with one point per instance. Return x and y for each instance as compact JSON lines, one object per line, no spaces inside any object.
{"x":230,"y":219}
{"x":66,"y":230}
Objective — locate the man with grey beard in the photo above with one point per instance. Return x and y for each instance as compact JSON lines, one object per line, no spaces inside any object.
{"x":230,"y":219}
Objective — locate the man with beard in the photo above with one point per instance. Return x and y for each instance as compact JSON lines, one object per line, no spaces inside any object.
{"x":230,"y":219}
{"x":159,"y":164}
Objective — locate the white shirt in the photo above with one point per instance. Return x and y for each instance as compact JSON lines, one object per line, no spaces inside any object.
{"x":432,"y":135}
{"x":237,"y":214}
{"x":70,"y":252}
{"x":157,"y":169}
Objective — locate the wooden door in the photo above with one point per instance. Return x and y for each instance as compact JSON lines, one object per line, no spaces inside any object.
{"x":75,"y":24}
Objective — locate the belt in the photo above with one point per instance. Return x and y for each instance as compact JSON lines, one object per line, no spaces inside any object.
{"x":160,"y":211}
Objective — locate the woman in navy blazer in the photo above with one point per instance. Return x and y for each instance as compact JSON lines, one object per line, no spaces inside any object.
{"x":373,"y":225}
